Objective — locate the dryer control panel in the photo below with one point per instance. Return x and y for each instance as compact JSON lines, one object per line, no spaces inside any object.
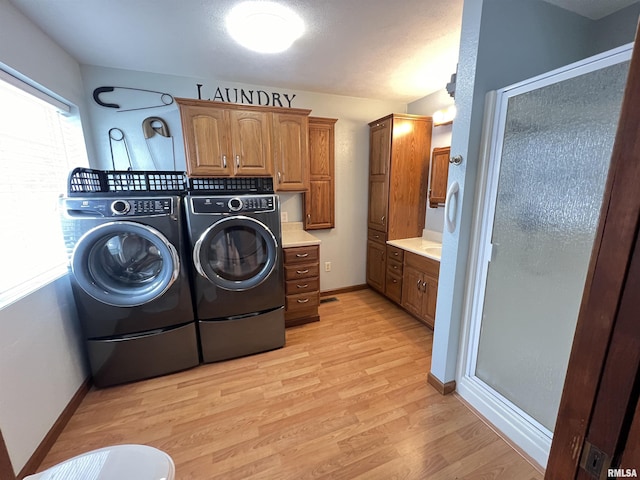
{"x":230,"y":204}
{"x":118,"y":207}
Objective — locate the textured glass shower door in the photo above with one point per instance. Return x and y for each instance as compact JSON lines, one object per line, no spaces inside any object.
{"x":553,"y":140}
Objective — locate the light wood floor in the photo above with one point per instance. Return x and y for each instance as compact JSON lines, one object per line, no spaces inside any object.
{"x":346,"y":398}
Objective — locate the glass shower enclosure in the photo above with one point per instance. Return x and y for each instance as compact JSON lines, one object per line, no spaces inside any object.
{"x":549,"y":149}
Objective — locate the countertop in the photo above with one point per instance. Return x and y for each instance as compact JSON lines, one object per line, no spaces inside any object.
{"x":420,"y":246}
{"x":293,"y":235}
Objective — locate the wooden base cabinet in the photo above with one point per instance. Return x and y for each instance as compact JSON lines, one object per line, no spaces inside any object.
{"x":302,"y":284}
{"x":376,"y":260}
{"x":420,"y":287}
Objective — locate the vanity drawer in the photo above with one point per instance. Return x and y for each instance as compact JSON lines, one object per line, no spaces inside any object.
{"x":395,"y":253}
{"x":309,"y":254}
{"x":293,"y":272}
{"x":302,"y":285}
{"x":302,"y":301}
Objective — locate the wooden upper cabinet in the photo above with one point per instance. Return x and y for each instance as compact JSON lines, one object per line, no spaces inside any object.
{"x":251,"y":144}
{"x":399,"y":149}
{"x":291,"y":151}
{"x":439,"y":176}
{"x":227,"y":139}
{"x":319,"y":201}
{"x":206,"y":141}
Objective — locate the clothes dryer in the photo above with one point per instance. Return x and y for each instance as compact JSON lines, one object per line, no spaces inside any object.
{"x":238,"y":278}
{"x":130,"y":284}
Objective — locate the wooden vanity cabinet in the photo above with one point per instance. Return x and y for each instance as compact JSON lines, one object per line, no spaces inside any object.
{"x":319,"y":201}
{"x":302,"y":284}
{"x":399,"y":148}
{"x":439,"y":176}
{"x":420,"y":287}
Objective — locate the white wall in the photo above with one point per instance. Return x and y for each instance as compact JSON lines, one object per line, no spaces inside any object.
{"x":41,"y":359}
{"x":440,"y":137}
{"x":343,"y":246}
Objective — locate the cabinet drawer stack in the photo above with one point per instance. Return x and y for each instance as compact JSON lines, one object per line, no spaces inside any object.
{"x":302,"y":284}
{"x":393,"y":286}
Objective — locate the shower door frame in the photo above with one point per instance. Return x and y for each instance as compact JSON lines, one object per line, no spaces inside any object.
{"x":529,"y":435}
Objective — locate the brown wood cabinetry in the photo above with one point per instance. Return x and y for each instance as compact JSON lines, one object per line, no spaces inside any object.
{"x":420,"y":287}
{"x":302,"y":284}
{"x":226,"y":139}
{"x":399,"y":148}
{"x":319,"y":201}
{"x":393,"y":281}
{"x":291,"y":151}
{"x":376,"y":260}
{"x":439,"y":176}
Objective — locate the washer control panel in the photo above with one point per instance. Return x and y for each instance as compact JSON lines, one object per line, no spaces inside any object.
{"x":230,"y":204}
{"x":119,"y":207}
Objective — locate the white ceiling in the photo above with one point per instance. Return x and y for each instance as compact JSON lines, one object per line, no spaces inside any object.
{"x":389,"y":50}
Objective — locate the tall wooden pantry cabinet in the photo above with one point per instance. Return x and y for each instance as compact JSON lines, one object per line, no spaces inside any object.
{"x":399,"y":150}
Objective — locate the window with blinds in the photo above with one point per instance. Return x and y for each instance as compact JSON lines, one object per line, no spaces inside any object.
{"x":40,"y":142}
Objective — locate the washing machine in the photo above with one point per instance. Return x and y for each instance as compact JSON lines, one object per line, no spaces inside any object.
{"x":238,"y":280}
{"x":129,"y":282}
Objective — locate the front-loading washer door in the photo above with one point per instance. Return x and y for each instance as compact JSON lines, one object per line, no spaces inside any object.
{"x":124,"y":264}
{"x":236,"y":253}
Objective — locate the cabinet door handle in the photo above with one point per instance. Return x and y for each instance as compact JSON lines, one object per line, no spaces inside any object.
{"x":302,"y":272}
{"x":279,"y":177}
{"x":224,"y":161}
{"x":302,"y":255}
{"x":237,"y":161}
{"x":302,"y":286}
{"x":383,"y":219}
{"x":424,"y":286}
{"x":419,"y":284}
{"x":303,"y":300}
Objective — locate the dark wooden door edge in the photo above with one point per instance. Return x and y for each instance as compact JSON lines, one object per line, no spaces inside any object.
{"x":50,"y":438}
{"x":442,"y":388}
{"x":6,"y":469}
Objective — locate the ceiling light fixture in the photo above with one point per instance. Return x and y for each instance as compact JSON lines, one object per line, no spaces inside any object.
{"x":264,"y":27}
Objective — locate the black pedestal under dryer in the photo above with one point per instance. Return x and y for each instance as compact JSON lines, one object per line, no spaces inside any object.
{"x":130,"y":284}
{"x":238,"y":287}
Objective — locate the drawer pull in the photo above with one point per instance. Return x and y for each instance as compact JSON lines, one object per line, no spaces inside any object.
{"x":302,"y":272}
{"x":395,"y":254}
{"x":395,"y":267}
{"x":303,"y":300}
{"x":302,"y":255}
{"x":303,"y":286}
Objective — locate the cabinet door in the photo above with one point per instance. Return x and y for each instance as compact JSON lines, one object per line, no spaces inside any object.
{"x":380,"y":147}
{"x":319,"y":201}
{"x":376,"y":265}
{"x":251,"y":142}
{"x":439,"y":176}
{"x":412,"y":290}
{"x":429,"y":300}
{"x":291,"y":151}
{"x":378,"y":202}
{"x":207,"y":148}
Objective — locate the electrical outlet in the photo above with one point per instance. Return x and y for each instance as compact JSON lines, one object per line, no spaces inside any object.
{"x":327,"y":266}
{"x":284,"y":217}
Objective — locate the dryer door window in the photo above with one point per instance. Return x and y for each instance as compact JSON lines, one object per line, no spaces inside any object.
{"x":237,"y":253}
{"x":125,"y":264}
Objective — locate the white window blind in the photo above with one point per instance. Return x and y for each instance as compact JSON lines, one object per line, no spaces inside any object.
{"x":39,"y":144}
